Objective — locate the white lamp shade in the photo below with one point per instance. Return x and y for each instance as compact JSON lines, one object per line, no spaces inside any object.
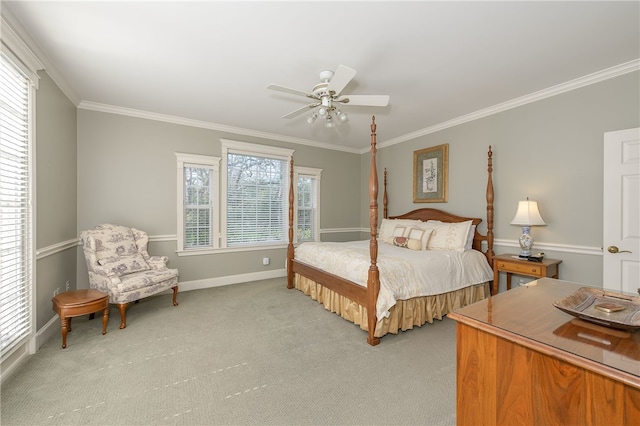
{"x":528,"y":214}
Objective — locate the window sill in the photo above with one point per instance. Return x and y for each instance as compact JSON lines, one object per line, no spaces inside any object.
{"x":200,"y":252}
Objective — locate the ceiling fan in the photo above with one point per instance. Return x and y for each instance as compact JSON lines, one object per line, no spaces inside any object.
{"x":327,"y":97}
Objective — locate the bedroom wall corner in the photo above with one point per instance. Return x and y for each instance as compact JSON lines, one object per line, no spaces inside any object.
{"x":56,"y":195}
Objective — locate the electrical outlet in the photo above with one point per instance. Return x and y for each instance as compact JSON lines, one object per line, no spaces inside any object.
{"x":265,"y":261}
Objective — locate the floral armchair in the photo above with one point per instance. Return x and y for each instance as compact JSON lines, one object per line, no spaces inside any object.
{"x":119,"y":265}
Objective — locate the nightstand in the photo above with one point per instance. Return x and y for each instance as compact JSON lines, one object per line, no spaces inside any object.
{"x":511,"y":264}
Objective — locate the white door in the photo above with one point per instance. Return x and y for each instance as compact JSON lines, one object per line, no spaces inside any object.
{"x":621,"y":211}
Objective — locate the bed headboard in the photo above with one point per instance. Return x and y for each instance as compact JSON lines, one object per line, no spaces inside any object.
{"x":426,"y":214}
{"x":435,"y":214}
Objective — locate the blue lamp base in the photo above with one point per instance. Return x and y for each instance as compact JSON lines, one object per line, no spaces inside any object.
{"x":526,"y":242}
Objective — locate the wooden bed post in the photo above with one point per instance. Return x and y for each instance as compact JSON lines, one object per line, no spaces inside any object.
{"x":290,"y":245}
{"x":490,"y":252}
{"x":385,"y":199}
{"x":373,"y":279}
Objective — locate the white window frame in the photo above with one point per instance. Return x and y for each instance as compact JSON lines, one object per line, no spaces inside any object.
{"x":255,"y":150}
{"x":194,"y":160}
{"x":300,"y":171}
{"x":17,"y":52}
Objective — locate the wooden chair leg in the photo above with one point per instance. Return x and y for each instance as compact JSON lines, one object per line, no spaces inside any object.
{"x":123,"y":319}
{"x":105,"y":319}
{"x":175,"y":294}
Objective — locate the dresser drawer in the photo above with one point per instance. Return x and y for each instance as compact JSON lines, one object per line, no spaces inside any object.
{"x":533,"y":269}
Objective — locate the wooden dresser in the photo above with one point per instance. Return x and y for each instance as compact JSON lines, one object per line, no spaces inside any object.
{"x":520,"y":360}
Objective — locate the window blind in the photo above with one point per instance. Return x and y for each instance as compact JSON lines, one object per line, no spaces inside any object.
{"x":307,"y":201}
{"x":197,"y":206}
{"x":257,"y":198}
{"x":15,"y":207}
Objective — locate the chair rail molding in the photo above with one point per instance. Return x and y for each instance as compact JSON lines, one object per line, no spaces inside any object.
{"x":563,"y":248}
{"x":43,"y":252}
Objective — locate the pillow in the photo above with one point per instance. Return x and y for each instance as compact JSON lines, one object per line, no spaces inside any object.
{"x":400,"y":231}
{"x":388,"y":225}
{"x":449,"y":236}
{"x":421,"y":235}
{"x":410,"y":243}
{"x":472,"y":233}
{"x":125,"y":265}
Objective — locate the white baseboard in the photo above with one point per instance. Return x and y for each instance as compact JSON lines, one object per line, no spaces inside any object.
{"x":47,"y":331}
{"x":231,"y":279}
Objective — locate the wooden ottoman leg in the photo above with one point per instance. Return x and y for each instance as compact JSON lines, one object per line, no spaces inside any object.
{"x":69,"y":324}
{"x":105,"y":320}
{"x":63,"y":330}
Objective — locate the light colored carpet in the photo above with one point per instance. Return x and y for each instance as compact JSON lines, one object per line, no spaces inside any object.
{"x":253,"y":353}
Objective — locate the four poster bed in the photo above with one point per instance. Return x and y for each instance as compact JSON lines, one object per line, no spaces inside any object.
{"x":418,"y":285}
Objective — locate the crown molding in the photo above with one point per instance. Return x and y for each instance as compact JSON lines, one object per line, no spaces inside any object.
{"x":568,"y":86}
{"x":36,"y":55}
{"x":20,"y":51}
{"x":130,"y":112}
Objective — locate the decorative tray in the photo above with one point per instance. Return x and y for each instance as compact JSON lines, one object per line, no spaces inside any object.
{"x":603,"y":307}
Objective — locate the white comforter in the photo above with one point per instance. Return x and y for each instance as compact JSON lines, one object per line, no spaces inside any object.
{"x":404,"y":273}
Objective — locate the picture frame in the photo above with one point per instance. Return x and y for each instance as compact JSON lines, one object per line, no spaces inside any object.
{"x":431,"y":174}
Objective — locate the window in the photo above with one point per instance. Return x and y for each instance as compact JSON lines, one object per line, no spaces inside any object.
{"x":198,"y":183}
{"x":16,"y":217}
{"x":240,"y":200}
{"x":255,"y":194}
{"x":307,"y":217}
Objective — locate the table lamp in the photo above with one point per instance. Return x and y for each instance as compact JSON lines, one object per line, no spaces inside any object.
{"x":527,"y":216}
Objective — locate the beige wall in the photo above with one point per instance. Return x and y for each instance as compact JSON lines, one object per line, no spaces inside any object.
{"x":56,"y":193}
{"x":550,"y":151}
{"x":127,"y":175}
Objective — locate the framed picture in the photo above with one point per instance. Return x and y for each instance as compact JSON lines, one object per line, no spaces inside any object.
{"x":431,"y":174}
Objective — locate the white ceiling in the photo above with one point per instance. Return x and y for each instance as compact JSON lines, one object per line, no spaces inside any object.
{"x":210,"y":61}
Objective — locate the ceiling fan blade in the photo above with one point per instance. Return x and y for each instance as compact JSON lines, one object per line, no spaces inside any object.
{"x":300,"y":110}
{"x":340,"y":79}
{"x":365,"y":100}
{"x":288,"y":90}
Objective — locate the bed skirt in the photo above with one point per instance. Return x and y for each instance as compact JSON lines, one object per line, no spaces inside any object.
{"x":403,"y":316}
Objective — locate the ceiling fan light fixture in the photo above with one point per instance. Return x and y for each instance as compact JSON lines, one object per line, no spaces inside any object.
{"x":329,"y":122}
{"x":328,"y":94}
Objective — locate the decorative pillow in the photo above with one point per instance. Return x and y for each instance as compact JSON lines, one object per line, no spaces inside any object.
{"x":126,"y":264}
{"x":401,"y":231}
{"x":114,"y":241}
{"x":398,"y":231}
{"x":388,"y":225}
{"x":449,"y":236}
{"x":409,"y":243}
{"x":421,"y":235}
